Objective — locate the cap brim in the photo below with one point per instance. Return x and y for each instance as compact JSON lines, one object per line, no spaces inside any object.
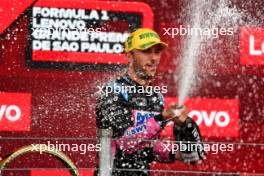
{"x":163,"y":44}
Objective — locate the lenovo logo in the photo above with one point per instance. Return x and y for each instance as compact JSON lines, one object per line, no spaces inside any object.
{"x":15,"y":109}
{"x":215,"y":117}
{"x":220,"y":118}
{"x":252,"y":46}
{"x":253,"y":50}
{"x":11,"y":113}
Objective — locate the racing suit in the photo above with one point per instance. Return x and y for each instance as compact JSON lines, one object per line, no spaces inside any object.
{"x":135,"y":117}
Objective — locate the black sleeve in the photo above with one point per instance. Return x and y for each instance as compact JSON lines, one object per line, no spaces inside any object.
{"x":159,"y":118}
{"x":113,"y":112}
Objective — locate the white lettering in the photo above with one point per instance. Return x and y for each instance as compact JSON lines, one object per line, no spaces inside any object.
{"x":69,"y":13}
{"x":11,"y":113}
{"x":252,"y":50}
{"x":220,"y":118}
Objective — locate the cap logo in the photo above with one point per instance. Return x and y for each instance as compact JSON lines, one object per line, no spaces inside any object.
{"x":149,"y":34}
{"x":147,"y":44}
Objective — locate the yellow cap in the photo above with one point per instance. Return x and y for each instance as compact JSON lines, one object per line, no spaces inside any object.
{"x":143,"y":38}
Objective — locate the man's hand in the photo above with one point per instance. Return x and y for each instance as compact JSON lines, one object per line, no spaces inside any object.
{"x":170,"y":113}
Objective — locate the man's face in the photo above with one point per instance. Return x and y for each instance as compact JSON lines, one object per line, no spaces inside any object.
{"x":145,"y":62}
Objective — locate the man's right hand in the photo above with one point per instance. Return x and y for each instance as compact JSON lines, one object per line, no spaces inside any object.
{"x":169,"y":113}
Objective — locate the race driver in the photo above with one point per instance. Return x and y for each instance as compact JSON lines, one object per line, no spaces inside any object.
{"x":137,"y":117}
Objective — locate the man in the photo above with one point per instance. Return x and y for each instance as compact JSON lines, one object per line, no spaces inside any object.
{"x":136,"y":116}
